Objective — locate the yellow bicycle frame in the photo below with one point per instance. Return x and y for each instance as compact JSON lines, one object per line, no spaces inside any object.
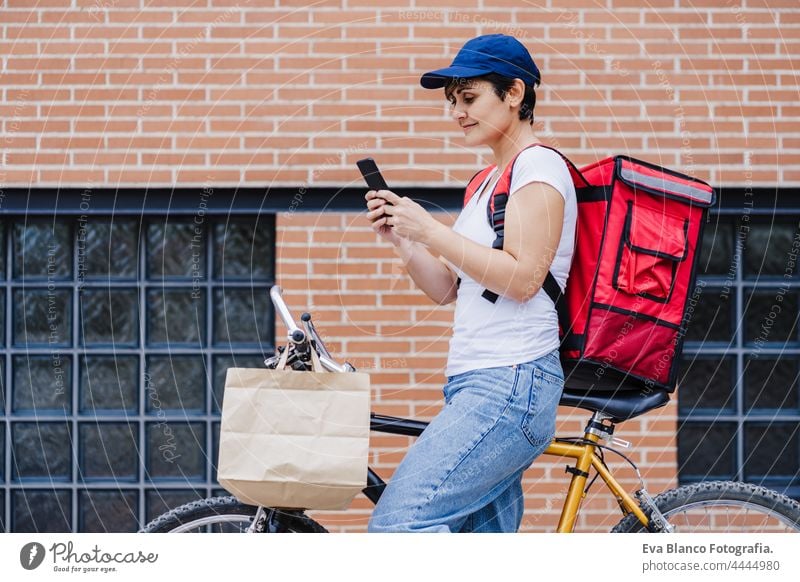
{"x":587,"y":458}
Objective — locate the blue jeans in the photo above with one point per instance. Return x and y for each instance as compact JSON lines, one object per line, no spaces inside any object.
{"x":464,"y":473}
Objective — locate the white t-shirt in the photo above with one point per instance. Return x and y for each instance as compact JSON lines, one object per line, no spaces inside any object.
{"x":488,"y":335}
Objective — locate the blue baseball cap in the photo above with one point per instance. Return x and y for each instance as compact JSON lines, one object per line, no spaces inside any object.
{"x":490,"y":53}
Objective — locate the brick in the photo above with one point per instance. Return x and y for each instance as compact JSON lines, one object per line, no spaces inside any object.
{"x":101,"y":94}
{"x":36,"y":125}
{"x":345,"y":300}
{"x":72,"y":143}
{"x":19,"y":16}
{"x":177,"y":159}
{"x":140,"y":142}
{"x":140,"y":17}
{"x":219,"y":176}
{"x":205,"y":142}
{"x":39,"y":158}
{"x":139,"y":177}
{"x":22,"y":177}
{"x":277,"y":142}
{"x":105,"y":159}
{"x":10,"y":79}
{"x":104,"y":32}
{"x":67,"y":177}
{"x":275,"y":177}
{"x":107,"y":125}
{"x":37,"y":64}
{"x":19,"y":48}
{"x":33,"y":31}
{"x":148,"y":48}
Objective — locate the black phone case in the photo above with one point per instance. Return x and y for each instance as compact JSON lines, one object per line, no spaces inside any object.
{"x":372,"y":175}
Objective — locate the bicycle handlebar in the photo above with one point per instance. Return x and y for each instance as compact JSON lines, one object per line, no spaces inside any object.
{"x":296,"y":335}
{"x":302,"y":339}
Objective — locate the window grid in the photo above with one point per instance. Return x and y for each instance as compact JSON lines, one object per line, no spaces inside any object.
{"x":146,"y":492}
{"x":740,"y":286}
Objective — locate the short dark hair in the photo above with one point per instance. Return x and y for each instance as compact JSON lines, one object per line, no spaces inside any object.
{"x":501,"y":87}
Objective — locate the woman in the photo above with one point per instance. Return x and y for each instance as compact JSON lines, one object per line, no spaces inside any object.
{"x":504,"y":377}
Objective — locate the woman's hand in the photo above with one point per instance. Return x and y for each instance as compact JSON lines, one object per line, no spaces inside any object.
{"x":407,"y":219}
{"x":377,"y":217}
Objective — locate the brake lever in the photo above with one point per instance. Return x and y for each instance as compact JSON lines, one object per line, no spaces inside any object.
{"x":311,"y":331}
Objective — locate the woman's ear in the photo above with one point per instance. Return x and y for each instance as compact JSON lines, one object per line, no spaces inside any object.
{"x":516,"y":93}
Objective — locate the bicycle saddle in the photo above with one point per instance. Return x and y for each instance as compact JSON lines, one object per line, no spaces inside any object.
{"x":619,"y":405}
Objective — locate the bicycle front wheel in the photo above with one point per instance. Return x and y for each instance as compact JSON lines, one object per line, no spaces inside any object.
{"x":722,"y":506}
{"x":228,"y":515}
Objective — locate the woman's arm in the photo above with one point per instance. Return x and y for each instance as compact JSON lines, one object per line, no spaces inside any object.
{"x":429,"y":273}
{"x":534,"y":220}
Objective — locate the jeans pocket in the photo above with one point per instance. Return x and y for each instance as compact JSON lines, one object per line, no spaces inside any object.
{"x":539,"y":422}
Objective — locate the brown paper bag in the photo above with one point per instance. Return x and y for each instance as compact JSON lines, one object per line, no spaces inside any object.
{"x":294,"y":439}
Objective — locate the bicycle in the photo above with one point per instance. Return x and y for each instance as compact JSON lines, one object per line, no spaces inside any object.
{"x":758,"y":509}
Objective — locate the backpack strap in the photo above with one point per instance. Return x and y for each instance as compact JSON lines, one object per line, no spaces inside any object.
{"x":496,"y":213}
{"x":472,"y":187}
{"x":475,"y":182}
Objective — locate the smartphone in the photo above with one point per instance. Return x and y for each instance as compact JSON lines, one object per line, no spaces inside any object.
{"x":372,"y":175}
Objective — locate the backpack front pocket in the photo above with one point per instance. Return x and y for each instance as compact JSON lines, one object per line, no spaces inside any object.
{"x":651,"y":247}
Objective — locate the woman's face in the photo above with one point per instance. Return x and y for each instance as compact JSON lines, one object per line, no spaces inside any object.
{"x":482,"y":115}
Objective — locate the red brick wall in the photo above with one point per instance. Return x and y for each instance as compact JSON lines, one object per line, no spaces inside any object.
{"x":246,"y":91}
{"x":226,"y":92}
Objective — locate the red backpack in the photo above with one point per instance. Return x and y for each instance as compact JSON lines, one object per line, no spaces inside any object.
{"x":637,"y":237}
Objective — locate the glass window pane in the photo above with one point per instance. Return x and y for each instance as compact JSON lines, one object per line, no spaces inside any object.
{"x":771,"y":249}
{"x":36,"y":511}
{"x":108,"y":511}
{"x":243,"y":316}
{"x":109,"y":317}
{"x":176,"y":383}
{"x":221,"y":365}
{"x":771,"y":450}
{"x":2,"y":250}
{"x":42,"y":317}
{"x":771,"y":384}
{"x":176,"y":316}
{"x":107,"y":248}
{"x":711,"y":319}
{"x":2,"y":455}
{"x":244,"y":250}
{"x":159,"y":501}
{"x":716,"y":250}
{"x":2,"y":317}
{"x":706,"y":384}
{"x":707,"y":451}
{"x":109,"y":384}
{"x":176,"y":450}
{"x":176,"y":250}
{"x":109,"y":451}
{"x":2,"y":385}
{"x":42,"y":250}
{"x":42,"y":384}
{"x":41,"y":450}
{"x":769,"y":319}
{"x":214,"y":450}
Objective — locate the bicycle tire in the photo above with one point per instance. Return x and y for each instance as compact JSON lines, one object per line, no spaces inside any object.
{"x":756,"y":501}
{"x":227,"y":514}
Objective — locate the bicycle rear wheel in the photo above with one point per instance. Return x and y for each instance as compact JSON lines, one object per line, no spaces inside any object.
{"x":227,"y":515}
{"x":722,"y":506}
